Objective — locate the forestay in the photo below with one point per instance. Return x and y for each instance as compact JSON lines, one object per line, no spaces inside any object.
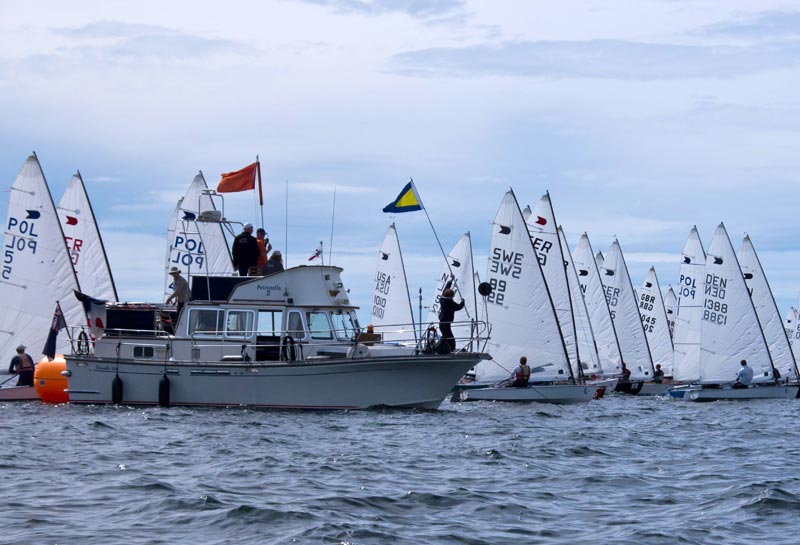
{"x":391,"y":304}
{"x":767,"y":311}
{"x":463,"y":283}
{"x":519,"y":307}
{"x":689,"y":310}
{"x":84,"y":243}
{"x":670,"y":304}
{"x":625,"y":313}
{"x":196,"y":247}
{"x":730,"y":330}
{"x":597,"y":306}
{"x":542,"y":225}
{"x":655,"y":322}
{"x":37,"y":270}
{"x":587,"y":347}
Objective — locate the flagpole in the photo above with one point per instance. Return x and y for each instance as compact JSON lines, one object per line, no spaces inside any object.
{"x":333,"y":216}
{"x":435,"y":235}
{"x":260,"y":191}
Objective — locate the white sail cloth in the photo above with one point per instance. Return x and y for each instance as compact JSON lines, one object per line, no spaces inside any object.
{"x":655,"y":322}
{"x":767,"y":311}
{"x":84,"y":243}
{"x":670,"y":305}
{"x":37,"y":270}
{"x":689,"y":310}
{"x":519,"y":308}
{"x":459,"y":265}
{"x":625,"y":313}
{"x":730,"y":330}
{"x":196,"y":247}
{"x":597,"y":305}
{"x":587,"y":347}
{"x":391,"y":305}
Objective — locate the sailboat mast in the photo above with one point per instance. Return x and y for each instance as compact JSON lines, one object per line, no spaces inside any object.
{"x":405,"y":283}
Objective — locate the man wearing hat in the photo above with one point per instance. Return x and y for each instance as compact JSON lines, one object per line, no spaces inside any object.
{"x":180,"y":289}
{"x":22,"y":364}
{"x":245,"y":250}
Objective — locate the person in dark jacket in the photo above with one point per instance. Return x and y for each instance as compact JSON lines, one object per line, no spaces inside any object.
{"x":22,"y":365}
{"x":447,"y":311}
{"x":245,"y":250}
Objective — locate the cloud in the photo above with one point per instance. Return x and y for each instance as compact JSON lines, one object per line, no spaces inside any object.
{"x":608,"y":59}
{"x":768,"y":25}
{"x":118,"y":41}
{"x":413,"y":8}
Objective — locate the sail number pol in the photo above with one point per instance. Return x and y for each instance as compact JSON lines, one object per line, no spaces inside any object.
{"x":21,"y":238}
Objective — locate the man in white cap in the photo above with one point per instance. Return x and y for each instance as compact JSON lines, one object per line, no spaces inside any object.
{"x":22,"y":365}
{"x":180,"y":289}
{"x":245,"y":250}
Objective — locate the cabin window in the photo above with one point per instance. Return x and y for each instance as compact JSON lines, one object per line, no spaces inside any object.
{"x":343,"y":325}
{"x":206,"y":322}
{"x":143,"y":352}
{"x":294,"y":327}
{"x":270,"y":322}
{"x":319,"y":325}
{"x":238,"y":323}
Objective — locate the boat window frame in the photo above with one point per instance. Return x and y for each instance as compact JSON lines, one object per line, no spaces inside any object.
{"x":315,"y":335}
{"x":220,"y":323}
{"x":344,"y":334}
{"x":293,"y":332}
{"x":240,"y":334}
{"x":276,"y":327}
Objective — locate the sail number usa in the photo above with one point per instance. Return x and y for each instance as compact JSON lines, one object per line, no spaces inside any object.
{"x":20,"y":238}
{"x":715,"y":310}
{"x":383,"y":283}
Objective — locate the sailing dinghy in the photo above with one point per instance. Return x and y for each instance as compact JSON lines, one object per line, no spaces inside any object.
{"x":656,"y":323}
{"x":524,"y":320}
{"x":392,"y":316}
{"x":730,"y":332}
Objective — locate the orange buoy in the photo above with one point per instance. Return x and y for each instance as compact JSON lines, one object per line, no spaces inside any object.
{"x":49,"y":383}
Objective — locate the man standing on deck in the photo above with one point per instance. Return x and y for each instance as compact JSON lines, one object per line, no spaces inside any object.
{"x":245,"y":250}
{"x":181,"y":292}
{"x":447,"y":313}
{"x":744,"y":376}
{"x":22,"y":364}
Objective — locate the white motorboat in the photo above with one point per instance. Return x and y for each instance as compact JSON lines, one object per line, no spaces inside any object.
{"x":288,"y":340}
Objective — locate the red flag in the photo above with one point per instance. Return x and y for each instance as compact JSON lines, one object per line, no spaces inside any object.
{"x":241,"y":180}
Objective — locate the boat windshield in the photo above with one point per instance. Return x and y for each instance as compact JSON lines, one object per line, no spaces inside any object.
{"x":319,"y":325}
{"x":343,"y":325}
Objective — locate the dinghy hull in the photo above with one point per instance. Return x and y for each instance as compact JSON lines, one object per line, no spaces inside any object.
{"x":554,"y":393}
{"x":754,"y":392}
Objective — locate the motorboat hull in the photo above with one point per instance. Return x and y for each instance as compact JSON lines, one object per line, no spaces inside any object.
{"x":700,"y":394}
{"x":394,"y":381}
{"x":551,"y":393}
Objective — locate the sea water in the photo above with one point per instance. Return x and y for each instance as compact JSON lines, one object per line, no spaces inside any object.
{"x":621,"y":470}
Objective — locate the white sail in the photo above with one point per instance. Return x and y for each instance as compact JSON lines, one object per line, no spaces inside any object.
{"x":37,"y":271}
{"x":689,"y":310}
{"x":196,"y":247}
{"x":670,"y":305}
{"x":587,"y":347}
{"x":543,"y":231}
{"x":767,"y":311}
{"x":655,"y":322}
{"x":730,"y":330}
{"x":519,"y":308}
{"x":599,"y":314}
{"x":391,"y":305}
{"x":463,"y":283}
{"x":625,"y":313}
{"x":84,"y":243}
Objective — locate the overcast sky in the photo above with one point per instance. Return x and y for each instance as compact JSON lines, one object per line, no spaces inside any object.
{"x":641,"y":117}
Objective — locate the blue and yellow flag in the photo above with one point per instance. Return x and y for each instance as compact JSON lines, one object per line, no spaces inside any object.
{"x":407,"y":201}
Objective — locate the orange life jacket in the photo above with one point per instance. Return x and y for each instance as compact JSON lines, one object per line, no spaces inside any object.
{"x":524,"y":374}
